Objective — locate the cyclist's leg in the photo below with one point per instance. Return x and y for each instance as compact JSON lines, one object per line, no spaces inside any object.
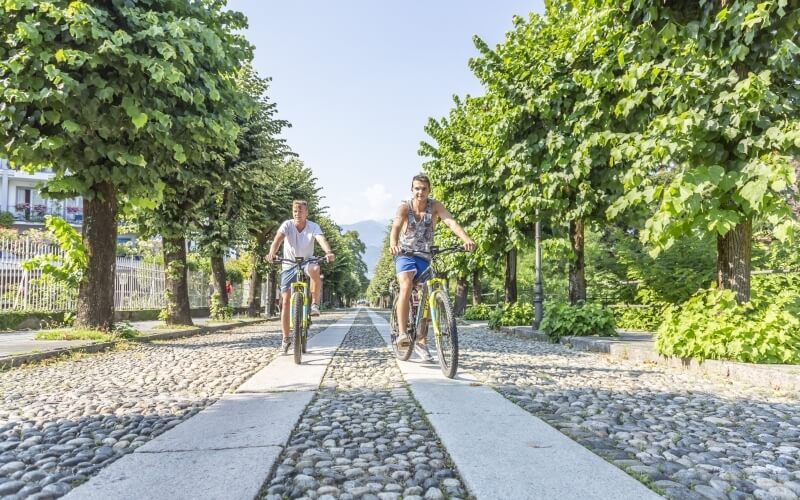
{"x":287,"y":277}
{"x":422,"y":335}
{"x":405,"y":268}
{"x":313,"y":272}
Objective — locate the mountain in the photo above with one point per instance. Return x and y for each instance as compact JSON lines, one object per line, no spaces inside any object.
{"x":372,"y":233}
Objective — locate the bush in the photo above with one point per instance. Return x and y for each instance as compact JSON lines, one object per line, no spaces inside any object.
{"x":633,"y":317}
{"x":479,"y":311}
{"x":6,"y":219}
{"x":11,"y":320}
{"x":711,"y":325}
{"x":561,"y":320}
{"x":514,"y":314}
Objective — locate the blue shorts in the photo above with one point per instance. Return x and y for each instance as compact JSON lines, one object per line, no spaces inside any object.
{"x":406,"y":263}
{"x":288,"y":277}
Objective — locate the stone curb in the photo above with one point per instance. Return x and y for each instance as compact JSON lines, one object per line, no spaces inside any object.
{"x":21,"y":359}
{"x":777,"y":377}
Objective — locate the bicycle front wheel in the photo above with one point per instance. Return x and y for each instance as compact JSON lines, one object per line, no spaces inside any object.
{"x":402,"y":353}
{"x":297,"y":309}
{"x":446,"y":336}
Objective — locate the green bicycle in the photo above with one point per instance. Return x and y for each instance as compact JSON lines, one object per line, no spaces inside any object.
{"x":432,"y":305}
{"x":299,"y":306}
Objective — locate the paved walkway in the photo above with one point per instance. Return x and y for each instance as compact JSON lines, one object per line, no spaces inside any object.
{"x":223,"y":415}
{"x":24,"y":342}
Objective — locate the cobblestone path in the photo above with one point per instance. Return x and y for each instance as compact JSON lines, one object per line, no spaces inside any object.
{"x":61,"y":422}
{"x":686,"y":436}
{"x":363,"y":435}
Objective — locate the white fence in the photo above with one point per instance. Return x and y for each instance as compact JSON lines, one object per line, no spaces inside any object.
{"x":138,"y":285}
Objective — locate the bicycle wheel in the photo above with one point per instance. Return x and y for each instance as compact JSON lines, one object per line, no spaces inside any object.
{"x":447,"y":339}
{"x":297,"y":309}
{"x":402,"y":353}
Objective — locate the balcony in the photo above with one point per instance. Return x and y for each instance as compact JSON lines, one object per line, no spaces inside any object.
{"x":34,"y":213}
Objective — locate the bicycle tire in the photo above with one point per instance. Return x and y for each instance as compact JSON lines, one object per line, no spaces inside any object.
{"x":297,"y":304}
{"x":305,"y":335}
{"x":447,"y":339}
{"x":402,"y":353}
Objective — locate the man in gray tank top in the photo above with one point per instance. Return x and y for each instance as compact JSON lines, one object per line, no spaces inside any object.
{"x":412,"y":232}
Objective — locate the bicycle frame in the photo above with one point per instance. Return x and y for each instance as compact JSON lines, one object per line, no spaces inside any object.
{"x":426,"y":308}
{"x":299,"y":286}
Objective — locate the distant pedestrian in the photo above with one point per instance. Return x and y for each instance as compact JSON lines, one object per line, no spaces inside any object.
{"x":229,"y":288}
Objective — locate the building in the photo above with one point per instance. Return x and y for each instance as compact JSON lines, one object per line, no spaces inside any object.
{"x":20,"y":196}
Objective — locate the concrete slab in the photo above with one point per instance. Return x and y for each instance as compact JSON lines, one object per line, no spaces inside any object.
{"x":213,"y":474}
{"x":227,"y":450}
{"x":236,"y":421}
{"x":284,"y":375}
{"x":502,"y":451}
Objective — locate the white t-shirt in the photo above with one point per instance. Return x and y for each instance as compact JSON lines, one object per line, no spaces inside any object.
{"x":298,"y":243}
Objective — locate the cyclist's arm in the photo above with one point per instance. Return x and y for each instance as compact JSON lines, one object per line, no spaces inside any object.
{"x":325,"y":247}
{"x":397,"y":225}
{"x":444,"y":214}
{"x":276,"y":244}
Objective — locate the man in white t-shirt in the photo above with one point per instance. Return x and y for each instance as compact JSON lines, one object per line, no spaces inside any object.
{"x":298,"y":235}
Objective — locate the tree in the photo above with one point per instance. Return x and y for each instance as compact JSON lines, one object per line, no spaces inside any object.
{"x":716,"y":84}
{"x":115,"y":97}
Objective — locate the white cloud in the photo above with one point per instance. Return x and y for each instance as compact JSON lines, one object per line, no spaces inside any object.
{"x":374,"y":203}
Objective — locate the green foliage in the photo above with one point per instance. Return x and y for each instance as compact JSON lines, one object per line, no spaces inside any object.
{"x":384,"y":279}
{"x":217,"y":311}
{"x":711,"y":325}
{"x":479,"y":311}
{"x":561,"y":320}
{"x":514,"y":314}
{"x":637,"y":317}
{"x":69,"y":269}
{"x":124,"y":330}
{"x":6,"y":219}
{"x":11,"y":320}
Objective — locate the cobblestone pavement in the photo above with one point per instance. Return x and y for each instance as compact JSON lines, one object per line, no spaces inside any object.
{"x":61,"y":422}
{"x":685,"y":436}
{"x":363,"y":435}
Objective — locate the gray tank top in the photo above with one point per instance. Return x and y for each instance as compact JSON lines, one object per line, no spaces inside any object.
{"x":418,"y":236}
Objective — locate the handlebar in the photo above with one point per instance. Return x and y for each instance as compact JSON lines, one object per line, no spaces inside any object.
{"x":435,"y":251}
{"x":299,"y":261}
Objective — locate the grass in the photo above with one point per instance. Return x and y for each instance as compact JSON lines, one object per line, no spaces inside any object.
{"x":72,"y":334}
{"x":169,"y":326}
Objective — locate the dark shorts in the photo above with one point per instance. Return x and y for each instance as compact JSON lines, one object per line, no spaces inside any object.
{"x":407,"y":263}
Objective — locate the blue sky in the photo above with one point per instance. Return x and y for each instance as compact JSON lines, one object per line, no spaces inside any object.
{"x":358,"y":80}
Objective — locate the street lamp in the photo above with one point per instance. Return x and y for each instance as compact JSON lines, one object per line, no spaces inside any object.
{"x":538,"y":291}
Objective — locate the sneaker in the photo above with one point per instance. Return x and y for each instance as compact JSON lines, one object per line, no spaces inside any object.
{"x":314,"y":310}
{"x":421,"y":350}
{"x":403,"y":340}
{"x":285,"y":345}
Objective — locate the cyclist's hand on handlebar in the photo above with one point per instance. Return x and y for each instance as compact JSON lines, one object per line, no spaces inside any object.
{"x":271,"y":258}
{"x":396,"y":250}
{"x":469,"y":245}
{"x":329,"y":257}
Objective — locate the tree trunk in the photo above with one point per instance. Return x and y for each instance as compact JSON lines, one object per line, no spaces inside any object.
{"x":96,"y":292}
{"x":577,"y":265}
{"x":218,"y":273}
{"x":461,"y":296}
{"x":511,"y":276}
{"x":176,"y":285}
{"x":254,"y":299}
{"x":254,"y":295}
{"x":476,"y":288}
{"x":734,"y":254}
{"x":272,"y":292}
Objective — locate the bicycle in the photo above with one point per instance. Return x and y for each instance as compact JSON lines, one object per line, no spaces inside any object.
{"x":299,"y":305}
{"x":438,"y":310}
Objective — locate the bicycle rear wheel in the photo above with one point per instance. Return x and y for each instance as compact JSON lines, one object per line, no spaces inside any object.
{"x":447,"y":339}
{"x":402,"y":353}
{"x":297,"y":310}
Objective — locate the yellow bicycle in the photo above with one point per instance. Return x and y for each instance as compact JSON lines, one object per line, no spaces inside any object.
{"x":430,"y":305}
{"x":299,"y":306}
